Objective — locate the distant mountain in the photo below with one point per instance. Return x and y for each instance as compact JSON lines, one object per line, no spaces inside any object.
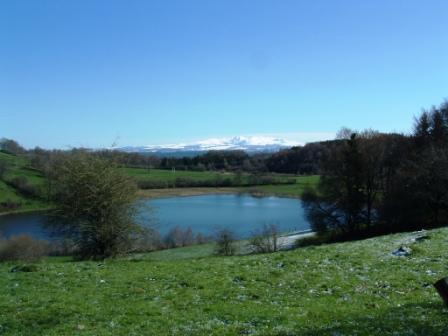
{"x":250,"y":144}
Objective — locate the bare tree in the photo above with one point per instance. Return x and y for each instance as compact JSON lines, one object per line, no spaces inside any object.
{"x":265,"y":240}
{"x":225,"y":242}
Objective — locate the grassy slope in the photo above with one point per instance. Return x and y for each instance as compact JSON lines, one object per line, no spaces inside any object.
{"x":354,"y":288}
{"x":18,"y":166}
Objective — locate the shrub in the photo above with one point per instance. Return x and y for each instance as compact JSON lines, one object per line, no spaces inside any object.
{"x":264,"y":241}
{"x":96,"y":206}
{"x":202,"y":239}
{"x":225,"y":242}
{"x":146,"y":240}
{"x":185,"y":182}
{"x":149,"y":184}
{"x":21,"y":183}
{"x":177,"y":237}
{"x":63,"y":247}
{"x":24,"y":248}
{"x":10,"y":205}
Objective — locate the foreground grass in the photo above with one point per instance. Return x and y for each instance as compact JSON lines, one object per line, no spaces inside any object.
{"x":354,"y":288}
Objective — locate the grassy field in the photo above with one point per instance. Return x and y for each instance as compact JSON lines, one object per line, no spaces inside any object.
{"x":170,"y":176}
{"x":19,"y":166}
{"x":287,"y":190}
{"x":355,"y":288}
{"x":294,"y":190}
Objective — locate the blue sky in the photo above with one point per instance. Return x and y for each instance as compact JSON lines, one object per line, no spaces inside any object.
{"x":88,"y":72}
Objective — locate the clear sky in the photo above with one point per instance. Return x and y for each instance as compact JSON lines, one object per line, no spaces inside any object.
{"x":87,"y":72}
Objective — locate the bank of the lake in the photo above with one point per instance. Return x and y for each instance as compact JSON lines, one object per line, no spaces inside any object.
{"x":178,"y":192}
{"x":280,"y":190}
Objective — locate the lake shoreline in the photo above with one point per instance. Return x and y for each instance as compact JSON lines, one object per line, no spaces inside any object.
{"x":179,"y":192}
{"x":24,"y":211}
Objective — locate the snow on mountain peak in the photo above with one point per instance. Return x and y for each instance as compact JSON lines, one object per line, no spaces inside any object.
{"x":246,"y":143}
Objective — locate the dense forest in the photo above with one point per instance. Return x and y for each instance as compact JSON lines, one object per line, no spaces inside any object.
{"x":377,"y":183}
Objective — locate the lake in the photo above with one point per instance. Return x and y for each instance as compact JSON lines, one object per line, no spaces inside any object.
{"x":243,"y":214}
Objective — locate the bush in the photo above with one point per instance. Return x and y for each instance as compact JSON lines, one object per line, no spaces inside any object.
{"x":177,"y":237}
{"x":63,"y":247}
{"x":225,"y":242}
{"x":10,"y":205}
{"x":185,"y":182}
{"x":149,"y":184}
{"x":96,"y":206}
{"x":24,"y":248}
{"x":312,"y":241}
{"x":21,"y":183}
{"x":201,"y":239}
{"x":146,"y":240}
{"x":264,"y":241}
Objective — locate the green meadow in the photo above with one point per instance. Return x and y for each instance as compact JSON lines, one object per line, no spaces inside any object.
{"x":355,"y":288}
{"x":170,"y":176}
{"x":19,"y":166}
{"x":290,"y":190}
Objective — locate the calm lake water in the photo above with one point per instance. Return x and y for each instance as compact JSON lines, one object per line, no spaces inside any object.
{"x":242,"y":214}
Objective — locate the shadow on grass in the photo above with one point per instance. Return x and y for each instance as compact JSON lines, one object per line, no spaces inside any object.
{"x":427,"y":319}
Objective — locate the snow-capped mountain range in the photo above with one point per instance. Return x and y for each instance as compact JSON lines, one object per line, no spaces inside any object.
{"x":249,"y":144}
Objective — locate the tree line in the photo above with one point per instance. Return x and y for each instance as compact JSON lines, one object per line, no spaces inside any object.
{"x":303,"y":160}
{"x":374,"y":183}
